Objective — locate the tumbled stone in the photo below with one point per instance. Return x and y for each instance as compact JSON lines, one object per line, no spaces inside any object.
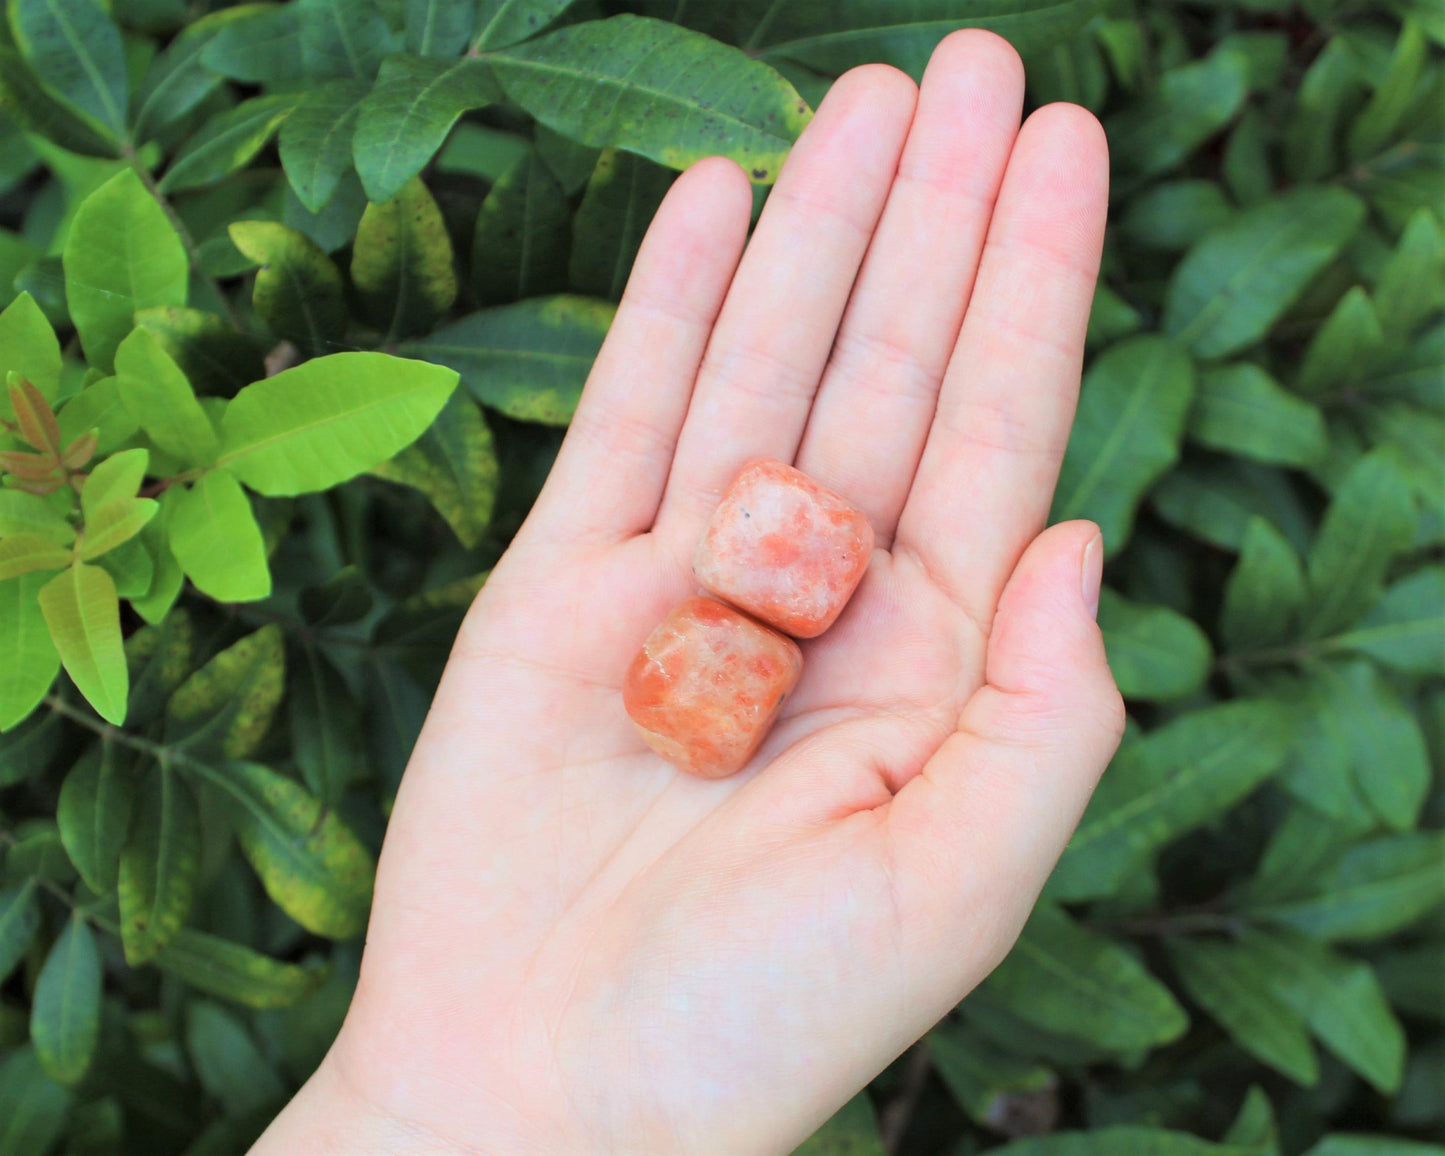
{"x":707,"y":685}
{"x":784,"y":549}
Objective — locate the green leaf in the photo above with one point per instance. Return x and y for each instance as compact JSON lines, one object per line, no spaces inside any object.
{"x":1403,"y":630}
{"x":1344,"y":1144}
{"x":323,"y":422}
{"x":1110,"y":318}
{"x":22,"y":513}
{"x":1412,"y":977}
{"x":29,"y":347}
{"x":1193,"y":102}
{"x":504,"y":22}
{"x":261,"y":45}
{"x":298,"y":290}
{"x":225,"y":708}
{"x":1255,"y":1123}
{"x":237,"y":973}
{"x":216,"y":539}
{"x":94,"y":812}
{"x":166,"y":576}
{"x":27,"y":104}
{"x":1239,"y":409}
{"x":1154,"y":652}
{"x":1214,"y":501}
{"x":1412,"y":283}
{"x":342,"y":38}
{"x":519,"y":247}
{"x":622,"y":196}
{"x":1126,"y":434}
{"x":1305,"y":843}
{"x":24,"y":638}
{"x":1329,"y":87}
{"x":982,"y":1078}
{"x":19,"y":921}
{"x":1349,"y":344}
{"x":316,"y":140}
{"x":455,"y":465}
{"x":28,"y":553}
{"x":402,"y":263}
{"x":159,"y":659}
{"x":76,"y":49}
{"x":438,"y":27}
{"x":830,"y":37}
{"x":396,"y":705}
{"x":1392,"y":98}
{"x":671,"y":94}
{"x":1166,"y":784}
{"x":214,"y":357}
{"x":29,"y":748}
{"x":227,"y":143}
{"x":1370,"y":521}
{"x":851,"y":1131}
{"x":1171,"y":215}
{"x":1265,"y":592}
{"x":1376,"y":888}
{"x":228,"y":1064}
{"x":83,"y":615}
{"x":1136,"y":1140}
{"x":33,"y":1107}
{"x":160,"y":866}
{"x":1066,"y":979}
{"x":177,"y":80}
{"x":310,"y":863}
{"x":1233,"y":285}
{"x":113,"y":512}
{"x":408,"y":114}
{"x":1223,"y":981}
{"x":159,"y":395}
{"x":122,"y":255}
{"x":65,"y":1017}
{"x":528,"y":360}
{"x":326,"y":730}
{"x":35,"y":849}
{"x":1340,"y":998}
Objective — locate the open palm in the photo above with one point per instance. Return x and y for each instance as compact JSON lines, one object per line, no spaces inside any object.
{"x":577,"y":948}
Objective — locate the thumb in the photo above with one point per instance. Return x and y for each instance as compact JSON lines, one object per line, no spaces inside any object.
{"x":979,"y":830}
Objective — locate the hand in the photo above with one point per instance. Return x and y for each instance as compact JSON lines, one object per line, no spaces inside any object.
{"x":574,"y":947}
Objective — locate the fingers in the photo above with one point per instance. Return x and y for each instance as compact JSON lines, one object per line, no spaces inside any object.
{"x":772,"y":338}
{"x":609,"y":475}
{"x":874,"y":407}
{"x":980,"y":828}
{"x":984,"y":484}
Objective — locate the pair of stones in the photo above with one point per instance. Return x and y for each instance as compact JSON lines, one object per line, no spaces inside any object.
{"x":781,"y":556}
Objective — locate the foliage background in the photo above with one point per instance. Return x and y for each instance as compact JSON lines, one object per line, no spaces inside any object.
{"x":1242,"y":949}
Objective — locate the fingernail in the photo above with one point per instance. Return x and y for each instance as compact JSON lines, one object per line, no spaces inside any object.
{"x":1093,"y":573}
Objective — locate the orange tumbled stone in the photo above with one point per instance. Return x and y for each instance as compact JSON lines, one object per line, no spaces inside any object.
{"x":784,"y":549}
{"x":707,"y":685}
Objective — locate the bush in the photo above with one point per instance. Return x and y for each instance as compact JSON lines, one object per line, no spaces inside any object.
{"x":249,"y":253}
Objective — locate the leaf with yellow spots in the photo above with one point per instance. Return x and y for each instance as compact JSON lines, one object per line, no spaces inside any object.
{"x":226,"y":707}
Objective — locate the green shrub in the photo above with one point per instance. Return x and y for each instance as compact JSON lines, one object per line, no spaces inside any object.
{"x":249,"y":252}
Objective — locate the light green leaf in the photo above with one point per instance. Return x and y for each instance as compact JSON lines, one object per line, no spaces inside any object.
{"x":851,"y":1131}
{"x":1369,"y":522}
{"x":19,"y":921}
{"x":406,"y":118}
{"x":622,"y":196}
{"x":99,"y":407}
{"x":234,"y":972}
{"x":1224,"y":982}
{"x":1154,"y":652}
{"x":1068,"y":980}
{"x":122,"y":255}
{"x":33,"y":1107}
{"x":528,"y":360}
{"x":93,"y":814}
{"x":166,"y":576}
{"x":27,"y":553}
{"x":113,"y":513}
{"x":65,"y":1017}
{"x":228,"y":1064}
{"x":831,"y":36}
{"x":983,"y":1078}
{"x":438,"y":27}
{"x":225,"y":708}
{"x":650,"y":87}
{"x":29,"y":347}
{"x":324,"y":422}
{"x":22,"y":513}
{"x":216,"y":539}
{"x":159,"y":395}
{"x":519,"y":247}
{"x":1232,"y":286}
{"x":316,"y":140}
{"x":76,"y":50}
{"x":1192,"y":103}
{"x":1392,"y":98}
{"x":455,"y":465}
{"x":228,"y":142}
{"x":32,"y":660}
{"x":1340,"y":998}
{"x":1239,"y":409}
{"x":1349,"y":344}
{"x":1125,"y":435}
{"x":1411,"y":286}
{"x":310,"y":863}
{"x":1265,"y":592}
{"x":83,"y":615}
{"x":160,"y":866}
{"x":1166,"y":784}
{"x":402,"y":264}
{"x":298,"y":290}
{"x":1404,"y":630}
{"x":1373,"y":890}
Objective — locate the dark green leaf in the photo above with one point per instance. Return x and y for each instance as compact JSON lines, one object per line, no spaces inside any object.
{"x":237,"y":973}
{"x":160,"y":866}
{"x":1404,"y":630}
{"x":622,"y":196}
{"x":33,"y":1107}
{"x":227,"y":1062}
{"x":1193,"y":102}
{"x":402,"y":263}
{"x":19,"y":921}
{"x":1393,"y":96}
{"x":177,"y":81}
{"x":520,"y":245}
{"x":1214,"y":501}
{"x":298,"y":290}
{"x":215,"y":358}
{"x":226,"y":707}
{"x":1172,"y":215}
{"x":316,"y":140}
{"x":1347,"y":346}
{"x":1343,"y":1144}
{"x":261,"y":46}
{"x":438,"y":27}
{"x":1265,"y":593}
{"x":1154,"y":652}
{"x":504,"y":22}
{"x":344,"y":597}
{"x":1328,"y":87}
{"x":1412,"y":283}
{"x":326,"y":729}
{"x":1239,"y":409}
{"x":227,"y":143}
{"x":983,"y":1079}
{"x":94,"y":814}
{"x":851,"y":1131}
{"x":65,"y":1017}
{"x":76,"y":50}
{"x":1136,"y":1140}
{"x":24,"y":101}
{"x":342,"y":38}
